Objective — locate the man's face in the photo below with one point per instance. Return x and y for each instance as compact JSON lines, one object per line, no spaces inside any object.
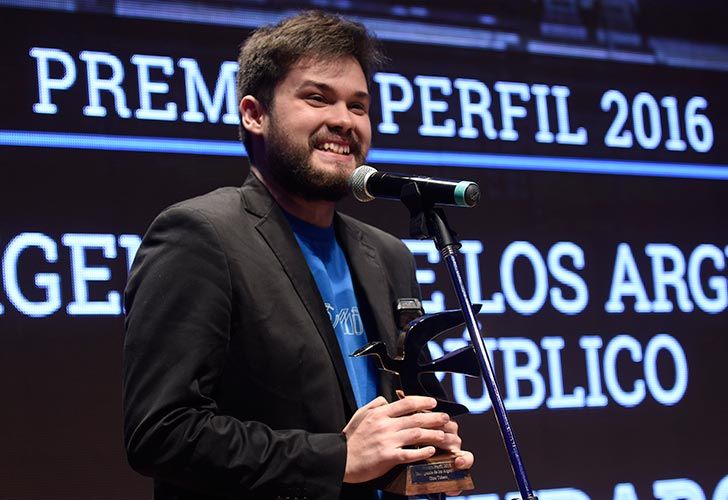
{"x":318,"y":130}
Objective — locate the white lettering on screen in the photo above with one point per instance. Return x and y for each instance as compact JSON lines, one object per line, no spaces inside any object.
{"x":105,"y":75}
{"x":635,"y":123}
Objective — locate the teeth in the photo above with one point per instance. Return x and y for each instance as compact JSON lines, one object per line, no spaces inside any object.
{"x":336,"y":148}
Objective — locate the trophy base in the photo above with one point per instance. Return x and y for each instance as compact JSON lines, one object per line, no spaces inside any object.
{"x":437,"y":474}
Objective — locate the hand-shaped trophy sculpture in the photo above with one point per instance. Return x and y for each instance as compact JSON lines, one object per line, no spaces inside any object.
{"x":437,"y":474}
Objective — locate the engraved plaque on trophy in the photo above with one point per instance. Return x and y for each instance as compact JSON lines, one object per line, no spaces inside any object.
{"x":438,"y":473}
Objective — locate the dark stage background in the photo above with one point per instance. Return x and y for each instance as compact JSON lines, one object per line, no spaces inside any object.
{"x":597,"y":131}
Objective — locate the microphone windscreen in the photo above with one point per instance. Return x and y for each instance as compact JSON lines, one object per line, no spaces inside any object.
{"x":472,"y":195}
{"x":358,"y":182}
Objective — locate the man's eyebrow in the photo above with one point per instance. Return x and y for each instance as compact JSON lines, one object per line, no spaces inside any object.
{"x":328,"y":88}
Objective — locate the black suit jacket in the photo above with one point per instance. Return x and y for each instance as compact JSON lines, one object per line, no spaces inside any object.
{"x":234,"y":383}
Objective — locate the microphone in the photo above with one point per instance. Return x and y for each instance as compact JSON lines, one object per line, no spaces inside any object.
{"x":366,"y":183}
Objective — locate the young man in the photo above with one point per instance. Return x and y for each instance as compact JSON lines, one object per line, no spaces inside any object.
{"x":243,"y":305}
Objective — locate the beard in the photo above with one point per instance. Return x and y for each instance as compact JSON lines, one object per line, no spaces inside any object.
{"x":290,"y":166}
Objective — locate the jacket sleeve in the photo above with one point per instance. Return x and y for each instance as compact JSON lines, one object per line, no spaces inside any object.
{"x":178,"y":303}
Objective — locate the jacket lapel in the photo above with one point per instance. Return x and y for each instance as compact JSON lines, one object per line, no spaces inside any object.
{"x":275,"y":230}
{"x":366,"y":270}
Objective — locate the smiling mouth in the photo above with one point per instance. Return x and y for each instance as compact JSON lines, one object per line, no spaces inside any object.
{"x":342,"y":149}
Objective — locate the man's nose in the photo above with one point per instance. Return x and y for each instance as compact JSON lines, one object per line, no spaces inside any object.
{"x":340,"y":118}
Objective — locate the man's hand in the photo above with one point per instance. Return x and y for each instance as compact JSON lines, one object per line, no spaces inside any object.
{"x":452,"y":443}
{"x":378,"y":434}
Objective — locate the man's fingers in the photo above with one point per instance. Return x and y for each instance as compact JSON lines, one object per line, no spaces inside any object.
{"x":413,"y":455}
{"x":424,"y":420}
{"x":362,"y":412}
{"x":378,"y":401}
{"x":415,"y":436}
{"x":452,"y":442}
{"x":450,"y":427}
{"x":409,"y":405}
{"x":464,"y":460}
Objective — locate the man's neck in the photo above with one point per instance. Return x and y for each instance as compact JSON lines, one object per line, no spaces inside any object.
{"x":317,"y":212}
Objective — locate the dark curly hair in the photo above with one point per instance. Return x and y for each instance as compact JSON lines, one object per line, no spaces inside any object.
{"x":268,"y":54}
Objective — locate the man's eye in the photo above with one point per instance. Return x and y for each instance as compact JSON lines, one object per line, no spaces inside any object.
{"x":358,"y":107}
{"x":316,"y":98}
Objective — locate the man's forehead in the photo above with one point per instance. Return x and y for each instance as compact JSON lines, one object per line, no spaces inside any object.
{"x":320,"y":69}
{"x":316,"y":61}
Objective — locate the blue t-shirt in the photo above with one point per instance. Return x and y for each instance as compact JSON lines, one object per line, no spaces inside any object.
{"x":328,"y":265}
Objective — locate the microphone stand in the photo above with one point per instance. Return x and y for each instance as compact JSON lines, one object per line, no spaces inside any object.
{"x":426,"y":221}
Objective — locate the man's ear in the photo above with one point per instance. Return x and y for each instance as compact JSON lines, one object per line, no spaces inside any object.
{"x":252,"y":112}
